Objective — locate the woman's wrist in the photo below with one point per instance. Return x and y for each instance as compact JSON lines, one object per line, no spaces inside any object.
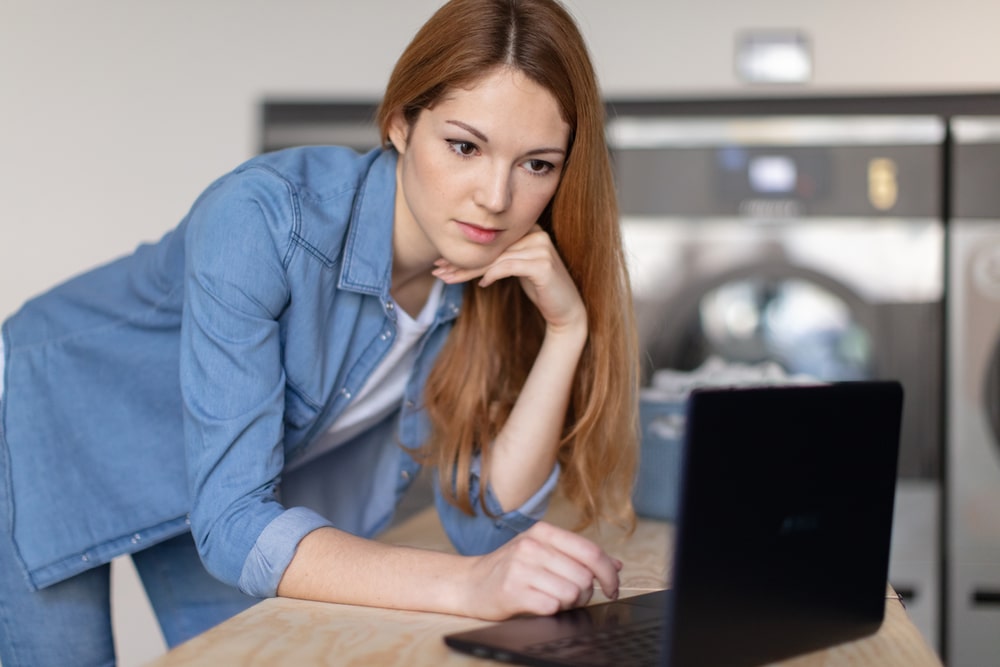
{"x":575,"y":331}
{"x":458,"y":587}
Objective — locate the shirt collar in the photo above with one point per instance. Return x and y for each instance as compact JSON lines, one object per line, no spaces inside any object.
{"x":367,"y":257}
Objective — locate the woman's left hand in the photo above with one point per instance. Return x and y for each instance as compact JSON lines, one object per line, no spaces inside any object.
{"x":533,"y":259}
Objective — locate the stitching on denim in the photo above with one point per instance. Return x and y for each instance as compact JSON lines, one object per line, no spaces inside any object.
{"x":298,"y":240}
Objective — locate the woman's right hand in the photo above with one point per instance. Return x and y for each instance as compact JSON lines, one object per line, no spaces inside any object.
{"x":541,"y":571}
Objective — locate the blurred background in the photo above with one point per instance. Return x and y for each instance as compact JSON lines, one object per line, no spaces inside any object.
{"x":809,"y":233}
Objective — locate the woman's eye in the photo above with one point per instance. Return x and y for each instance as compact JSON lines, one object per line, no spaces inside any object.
{"x":463,"y":148}
{"x":539,"y":166}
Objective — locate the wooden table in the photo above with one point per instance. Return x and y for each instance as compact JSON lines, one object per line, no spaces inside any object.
{"x":280,"y":631}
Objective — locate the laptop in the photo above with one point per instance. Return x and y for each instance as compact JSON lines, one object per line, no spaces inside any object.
{"x":781,"y":541}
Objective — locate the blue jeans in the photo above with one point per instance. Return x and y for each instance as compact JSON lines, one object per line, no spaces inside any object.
{"x":69,"y":623}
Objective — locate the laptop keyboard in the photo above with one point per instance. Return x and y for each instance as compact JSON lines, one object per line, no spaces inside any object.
{"x":634,"y":645}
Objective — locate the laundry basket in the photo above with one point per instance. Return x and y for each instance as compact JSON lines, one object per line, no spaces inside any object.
{"x":662,"y":421}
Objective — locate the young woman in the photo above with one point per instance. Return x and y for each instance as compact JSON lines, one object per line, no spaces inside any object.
{"x":269,"y":377}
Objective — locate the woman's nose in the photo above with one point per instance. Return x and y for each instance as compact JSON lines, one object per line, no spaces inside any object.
{"x":494,"y":192}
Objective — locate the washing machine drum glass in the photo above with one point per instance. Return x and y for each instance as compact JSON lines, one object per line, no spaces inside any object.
{"x":798,"y":324}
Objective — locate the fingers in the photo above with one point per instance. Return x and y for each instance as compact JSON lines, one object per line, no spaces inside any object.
{"x":567,"y":565}
{"x":538,"y":263}
{"x":568,"y":547}
{"x":559,"y":577}
{"x":450,"y":273}
{"x":534,"y":261}
{"x":541,"y":571}
{"x":533,"y":256}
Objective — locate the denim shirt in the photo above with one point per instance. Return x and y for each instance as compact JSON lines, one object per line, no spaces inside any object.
{"x":166,"y":390}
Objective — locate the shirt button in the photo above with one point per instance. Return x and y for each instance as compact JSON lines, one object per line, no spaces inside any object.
{"x":85,"y":558}
{"x":389,"y":305}
{"x":410,"y":404}
{"x":405,"y":474}
{"x":345,"y":393}
{"x":136,"y":538}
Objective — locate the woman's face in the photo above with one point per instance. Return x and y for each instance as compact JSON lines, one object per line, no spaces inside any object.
{"x":476,"y":171}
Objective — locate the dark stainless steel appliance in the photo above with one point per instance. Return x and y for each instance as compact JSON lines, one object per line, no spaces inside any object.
{"x":973,"y":443}
{"x":816,"y":243}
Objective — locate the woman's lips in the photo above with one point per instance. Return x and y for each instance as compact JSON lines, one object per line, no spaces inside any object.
{"x":478,"y":234}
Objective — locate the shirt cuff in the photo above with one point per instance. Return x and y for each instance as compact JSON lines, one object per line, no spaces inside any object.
{"x":274,"y":549}
{"x":530,"y":511}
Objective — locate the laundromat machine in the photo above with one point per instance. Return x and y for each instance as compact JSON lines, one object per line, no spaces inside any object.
{"x":814,"y":243}
{"x":973,"y":441}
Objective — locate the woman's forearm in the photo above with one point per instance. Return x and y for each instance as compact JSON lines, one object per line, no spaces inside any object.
{"x":540,"y":571}
{"x":525,"y":449}
{"x":334,"y":566}
{"x":523,"y":453}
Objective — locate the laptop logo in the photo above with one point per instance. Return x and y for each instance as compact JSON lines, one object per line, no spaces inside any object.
{"x":797,"y":524}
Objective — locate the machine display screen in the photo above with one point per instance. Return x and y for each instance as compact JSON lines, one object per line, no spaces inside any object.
{"x":772,"y":174}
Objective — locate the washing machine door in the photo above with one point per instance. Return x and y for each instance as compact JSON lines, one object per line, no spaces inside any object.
{"x":805,"y":321}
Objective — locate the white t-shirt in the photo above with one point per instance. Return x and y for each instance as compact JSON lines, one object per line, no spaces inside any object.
{"x":383,"y":391}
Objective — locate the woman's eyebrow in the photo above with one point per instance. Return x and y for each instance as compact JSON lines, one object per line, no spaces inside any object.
{"x":468,"y":128}
{"x":482,"y":137}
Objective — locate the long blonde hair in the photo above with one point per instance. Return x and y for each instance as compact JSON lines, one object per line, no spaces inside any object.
{"x":489,"y":353}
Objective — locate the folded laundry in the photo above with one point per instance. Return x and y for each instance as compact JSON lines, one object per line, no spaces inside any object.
{"x":717,"y":372}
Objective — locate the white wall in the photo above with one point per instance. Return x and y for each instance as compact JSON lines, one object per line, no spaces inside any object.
{"x":114,"y":114}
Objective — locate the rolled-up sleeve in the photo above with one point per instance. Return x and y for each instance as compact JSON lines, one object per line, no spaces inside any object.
{"x":482,"y":533}
{"x":274,"y":549}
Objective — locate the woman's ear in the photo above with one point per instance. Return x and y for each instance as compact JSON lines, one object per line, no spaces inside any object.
{"x":399,"y":131}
